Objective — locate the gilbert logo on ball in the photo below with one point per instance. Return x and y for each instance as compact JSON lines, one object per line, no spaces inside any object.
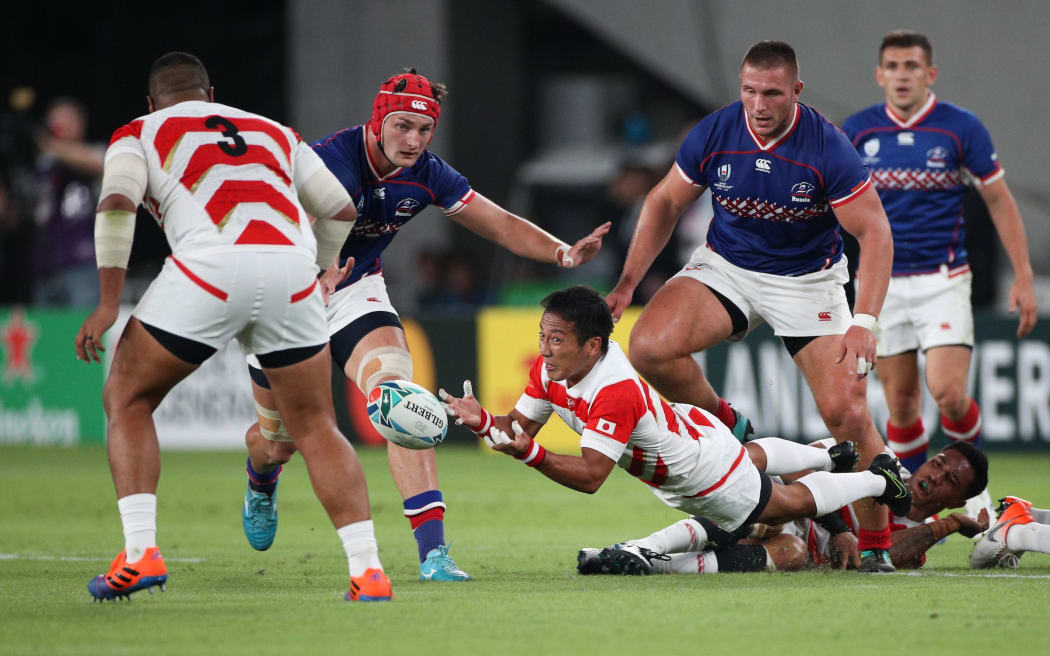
{"x":407,"y":415}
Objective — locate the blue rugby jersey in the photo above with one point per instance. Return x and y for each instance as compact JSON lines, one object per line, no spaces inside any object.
{"x":773,"y":200}
{"x":920,"y":168}
{"x":386,"y":203}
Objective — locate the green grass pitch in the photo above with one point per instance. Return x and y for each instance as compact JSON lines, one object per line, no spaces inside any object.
{"x":515,"y":531}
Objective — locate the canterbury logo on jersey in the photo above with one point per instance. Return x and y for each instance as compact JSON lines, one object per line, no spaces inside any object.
{"x":418,"y":104}
{"x":762,"y":165}
{"x":823,"y":316}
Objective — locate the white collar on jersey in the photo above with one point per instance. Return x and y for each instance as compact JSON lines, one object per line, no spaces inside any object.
{"x":368,"y":158}
{"x":923,"y":112}
{"x":774,"y":142}
{"x":585,"y":384}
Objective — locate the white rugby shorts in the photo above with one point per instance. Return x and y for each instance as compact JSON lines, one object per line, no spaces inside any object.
{"x":926,"y":310}
{"x":732,"y":490}
{"x":267,"y":300}
{"x":348,"y":304}
{"x":809,"y":305}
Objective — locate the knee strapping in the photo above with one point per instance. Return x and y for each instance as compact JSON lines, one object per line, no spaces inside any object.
{"x":270,"y":424}
{"x":394,"y":361}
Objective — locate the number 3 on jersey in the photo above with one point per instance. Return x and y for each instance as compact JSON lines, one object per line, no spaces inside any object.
{"x":229,"y":130}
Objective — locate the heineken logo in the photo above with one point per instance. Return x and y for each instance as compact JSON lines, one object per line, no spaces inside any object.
{"x":17,"y":337}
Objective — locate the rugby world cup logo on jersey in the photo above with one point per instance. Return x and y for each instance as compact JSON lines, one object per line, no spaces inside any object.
{"x":937,"y":157}
{"x":724,"y":172}
{"x":871,"y":149}
{"x":407,"y":208}
{"x":802,"y":192}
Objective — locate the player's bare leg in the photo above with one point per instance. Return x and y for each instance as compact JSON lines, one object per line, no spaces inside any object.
{"x":304,"y":398}
{"x":383,"y":355}
{"x":143,"y":372}
{"x":902,"y":386}
{"x":842,"y":401}
{"x":684,"y":317}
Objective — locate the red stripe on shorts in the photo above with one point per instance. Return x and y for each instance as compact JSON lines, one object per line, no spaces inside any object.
{"x":298,"y":296}
{"x":211,"y":289}
{"x":721,"y":481}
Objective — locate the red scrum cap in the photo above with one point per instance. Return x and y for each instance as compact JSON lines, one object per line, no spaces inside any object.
{"x":405,"y":92}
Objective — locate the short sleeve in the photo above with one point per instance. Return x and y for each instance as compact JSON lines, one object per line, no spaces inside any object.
{"x":692,"y":152}
{"x":126,"y":139}
{"x":845,"y":177}
{"x":979,"y":156}
{"x":534,"y":402}
{"x":451,"y":190}
{"x":612,"y":418}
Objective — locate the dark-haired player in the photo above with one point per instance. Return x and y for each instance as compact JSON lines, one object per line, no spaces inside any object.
{"x":391,"y":176}
{"x":784,"y":182}
{"x":956,"y":473}
{"x":686,"y":456}
{"x":923,"y":153}
{"x":231,"y":190}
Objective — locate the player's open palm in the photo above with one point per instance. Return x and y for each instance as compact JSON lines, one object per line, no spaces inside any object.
{"x":588,"y":247}
{"x":969,"y":526}
{"x":88,"y":341}
{"x":466,"y":410}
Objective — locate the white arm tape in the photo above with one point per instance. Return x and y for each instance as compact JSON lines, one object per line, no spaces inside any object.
{"x":864,"y":321}
{"x":114,"y":232}
{"x":322,"y":195}
{"x":330,"y":236}
{"x":125,"y":174}
{"x":561,"y":257}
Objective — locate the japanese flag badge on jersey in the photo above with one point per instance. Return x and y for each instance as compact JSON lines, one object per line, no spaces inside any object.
{"x":605,"y":427}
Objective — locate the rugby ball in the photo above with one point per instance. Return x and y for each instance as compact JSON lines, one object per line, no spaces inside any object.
{"x":407,"y":414}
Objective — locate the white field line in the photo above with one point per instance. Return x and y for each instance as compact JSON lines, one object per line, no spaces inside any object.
{"x":14,"y":556}
{"x":969,"y":576}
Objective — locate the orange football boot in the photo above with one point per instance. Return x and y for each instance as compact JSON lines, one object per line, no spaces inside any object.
{"x":991,"y":549}
{"x":373,"y":585}
{"x":123,"y":578}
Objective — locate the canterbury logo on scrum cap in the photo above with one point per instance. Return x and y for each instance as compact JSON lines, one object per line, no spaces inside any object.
{"x":405,"y":92}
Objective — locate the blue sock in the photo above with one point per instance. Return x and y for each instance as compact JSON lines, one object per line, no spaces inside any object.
{"x":265,"y":483}
{"x":426,"y":514}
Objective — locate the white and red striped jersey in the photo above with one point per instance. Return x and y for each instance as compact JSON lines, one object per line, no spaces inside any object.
{"x":666,"y":446}
{"x":220,"y":178}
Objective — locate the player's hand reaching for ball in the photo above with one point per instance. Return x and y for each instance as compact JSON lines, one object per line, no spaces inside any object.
{"x":516,"y":445}
{"x":466,"y":410}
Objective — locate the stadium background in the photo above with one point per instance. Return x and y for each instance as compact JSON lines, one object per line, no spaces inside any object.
{"x":556,"y":108}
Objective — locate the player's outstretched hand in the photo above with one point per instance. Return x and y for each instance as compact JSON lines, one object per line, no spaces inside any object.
{"x":88,"y":341}
{"x":334,"y":276}
{"x":466,"y":410}
{"x":1022,"y":297}
{"x":858,"y":350}
{"x":618,"y":300}
{"x":969,"y":526}
{"x":516,"y":446}
{"x":844,"y":547}
{"x":588,"y":247}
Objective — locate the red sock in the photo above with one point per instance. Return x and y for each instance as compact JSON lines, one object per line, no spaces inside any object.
{"x":907,"y":441}
{"x":873,"y":539}
{"x":426,"y":516}
{"x":725,"y":413}
{"x":967,"y":429}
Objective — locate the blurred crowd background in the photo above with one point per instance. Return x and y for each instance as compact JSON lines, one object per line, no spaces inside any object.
{"x":564,"y":111}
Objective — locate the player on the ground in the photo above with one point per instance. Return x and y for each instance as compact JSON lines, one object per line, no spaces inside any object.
{"x":689,"y":459}
{"x":226,"y":186}
{"x":784,"y":182}
{"x":1019,"y":528}
{"x":955,"y":474}
{"x":386,"y":167}
{"x":922,"y":154}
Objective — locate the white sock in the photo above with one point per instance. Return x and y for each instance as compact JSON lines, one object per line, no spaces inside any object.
{"x":691,"y":562}
{"x":1029,"y":537}
{"x":138,"y":514}
{"x":786,"y":457}
{"x":359,"y":543}
{"x":833,"y":491}
{"x":684,"y":535}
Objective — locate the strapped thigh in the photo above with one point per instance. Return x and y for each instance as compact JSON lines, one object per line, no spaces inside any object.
{"x":393,"y":361}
